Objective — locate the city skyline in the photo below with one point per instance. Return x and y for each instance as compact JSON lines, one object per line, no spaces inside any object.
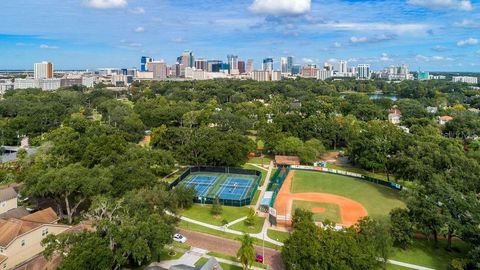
{"x":438,"y":35}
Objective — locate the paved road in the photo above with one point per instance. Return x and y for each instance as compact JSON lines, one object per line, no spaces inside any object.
{"x":230,"y":247}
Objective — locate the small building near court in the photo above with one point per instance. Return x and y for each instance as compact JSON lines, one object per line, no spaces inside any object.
{"x":286,"y":160}
{"x":266,"y":201}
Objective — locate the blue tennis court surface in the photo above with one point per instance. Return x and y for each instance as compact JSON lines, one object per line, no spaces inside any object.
{"x":235,"y":188}
{"x":201,"y":183}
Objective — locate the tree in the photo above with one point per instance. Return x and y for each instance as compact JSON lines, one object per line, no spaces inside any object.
{"x":289,"y":146}
{"x":402,"y":229}
{"x":216,"y":207}
{"x":246,"y":253}
{"x":378,"y":234}
{"x":250,"y":221}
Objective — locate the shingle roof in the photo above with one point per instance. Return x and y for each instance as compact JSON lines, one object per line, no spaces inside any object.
{"x":15,"y":213}
{"x":13,"y":227}
{"x":7,"y":194}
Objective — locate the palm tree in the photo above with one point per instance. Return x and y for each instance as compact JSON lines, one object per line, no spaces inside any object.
{"x":246,"y":253}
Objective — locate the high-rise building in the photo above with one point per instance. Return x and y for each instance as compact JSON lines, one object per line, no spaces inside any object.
{"x":343,"y":67}
{"x":250,"y":66}
{"x":267,"y":64}
{"x":159,"y":69}
{"x":364,"y":72}
{"x":286,"y":65}
{"x":327,"y":66}
{"x":465,"y":79}
{"x":211,"y":63}
{"x":232,"y":61}
{"x":201,"y":64}
{"x":241,"y":67}
{"x":324,"y":74}
{"x":423,"y":76}
{"x":43,"y":70}
{"x":187,"y":59}
{"x":143,"y":63}
{"x":296,"y":69}
{"x":310,"y":71}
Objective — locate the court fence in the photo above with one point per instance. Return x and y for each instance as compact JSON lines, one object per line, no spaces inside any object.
{"x":276,"y":182}
{"x":228,"y":170}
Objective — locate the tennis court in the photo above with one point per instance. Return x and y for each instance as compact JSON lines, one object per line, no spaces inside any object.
{"x":201,"y":183}
{"x":235,"y":188}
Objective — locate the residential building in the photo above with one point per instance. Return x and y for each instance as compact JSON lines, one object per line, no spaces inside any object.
{"x":438,"y":77}
{"x":8,"y":199}
{"x":50,"y":84}
{"x":69,"y":80}
{"x":442,"y":120}
{"x":324,"y":74}
{"x":394,"y":116}
{"x":267,"y":64}
{"x":20,"y":238}
{"x":396,"y":73}
{"x":26,"y":83}
{"x":43,"y":70}
{"x":310,"y":71}
{"x":159,"y":69}
{"x":363,"y":72}
{"x":465,"y":79}
{"x":328,"y":66}
{"x":5,"y":85}
{"x":343,"y":67}
{"x":261,"y":76}
{"x":241,"y":67}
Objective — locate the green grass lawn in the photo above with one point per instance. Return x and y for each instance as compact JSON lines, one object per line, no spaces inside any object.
{"x":170,"y":255}
{"x":231,"y":258}
{"x":278,"y":235}
{"x":332,"y":211}
{"x":198,"y":228}
{"x":246,"y":229}
{"x":378,"y":200}
{"x":225,"y":266}
{"x":255,"y":198}
{"x":349,"y":168}
{"x":202,"y":213}
{"x":423,"y":253}
{"x":258,"y":160}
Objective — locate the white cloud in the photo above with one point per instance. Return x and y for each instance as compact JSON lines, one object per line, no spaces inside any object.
{"x":332,"y":60}
{"x":139,"y":29}
{"x":105,"y":4}
{"x":467,"y":42}
{"x":48,"y":47}
{"x":467,"y":24}
{"x":178,"y":40}
{"x":465,"y":5}
{"x":137,"y":10}
{"x":423,"y":58}
{"x":358,"y":39}
{"x":281,"y":7}
{"x":337,"y":44}
{"x":440,"y":48}
{"x":308,"y":60}
{"x":420,"y":57}
{"x":394,"y":28}
{"x":385,"y":58}
{"x":21,"y":44}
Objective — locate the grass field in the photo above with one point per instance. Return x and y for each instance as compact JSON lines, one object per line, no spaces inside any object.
{"x":278,"y":235}
{"x":202,"y":213}
{"x":201,"y":229}
{"x":376,"y":199}
{"x":257,"y":228}
{"x":332,"y":211}
{"x":423,"y":253}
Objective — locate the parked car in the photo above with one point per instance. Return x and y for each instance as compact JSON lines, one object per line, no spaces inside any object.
{"x":259,"y":258}
{"x":179,"y":238}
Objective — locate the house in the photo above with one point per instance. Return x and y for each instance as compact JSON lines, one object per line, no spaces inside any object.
{"x":211,"y":264}
{"x":8,"y":199}
{"x":394,"y":116}
{"x":20,"y":238}
{"x":442,"y":120}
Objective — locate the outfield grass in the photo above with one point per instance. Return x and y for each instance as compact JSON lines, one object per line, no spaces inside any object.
{"x":201,"y":229}
{"x":278,"y":235}
{"x":332,"y":211}
{"x":202,"y":213}
{"x":423,"y":253}
{"x":257,"y":228}
{"x":349,"y":168}
{"x":377,"y":200}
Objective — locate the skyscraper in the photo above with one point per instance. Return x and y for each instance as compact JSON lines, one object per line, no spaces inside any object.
{"x":201,"y":64}
{"x":188,"y":60}
{"x":241,"y":67}
{"x":232,"y":61}
{"x":43,"y":70}
{"x":250,"y":66}
{"x":159,"y":69}
{"x":286,"y":65}
{"x":343,"y":66}
{"x":143,"y":63}
{"x":267,"y":64}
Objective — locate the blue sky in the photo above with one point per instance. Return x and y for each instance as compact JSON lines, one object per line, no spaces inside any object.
{"x":435,"y":35}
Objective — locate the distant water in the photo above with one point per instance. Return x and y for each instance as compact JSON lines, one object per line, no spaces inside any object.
{"x":379,"y":96}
